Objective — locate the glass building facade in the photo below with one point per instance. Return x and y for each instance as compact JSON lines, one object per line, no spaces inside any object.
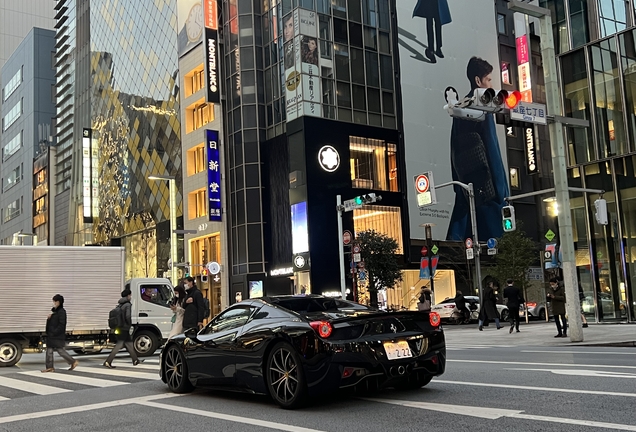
{"x":117,"y":86}
{"x":597,"y":63}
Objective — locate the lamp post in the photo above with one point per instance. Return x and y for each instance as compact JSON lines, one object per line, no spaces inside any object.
{"x":172,"y":184}
{"x":21,"y":234}
{"x":559,"y":163}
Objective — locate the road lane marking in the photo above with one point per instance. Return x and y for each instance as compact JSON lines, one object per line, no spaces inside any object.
{"x":581,"y":372}
{"x":496,"y":413}
{"x":154,"y":367}
{"x":540,"y":364}
{"x":121,"y":373}
{"x":84,"y":408}
{"x":232,"y":418}
{"x":29,"y":387}
{"x":536,"y":388}
{"x":77,"y":379}
{"x":577,"y":352}
{"x":3,"y":399}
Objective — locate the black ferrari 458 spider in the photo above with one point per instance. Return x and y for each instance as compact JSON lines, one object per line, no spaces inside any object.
{"x":292,"y":347}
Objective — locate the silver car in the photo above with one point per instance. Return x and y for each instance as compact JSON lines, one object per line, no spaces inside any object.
{"x":535,"y":310}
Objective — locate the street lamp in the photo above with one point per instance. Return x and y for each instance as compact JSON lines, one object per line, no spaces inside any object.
{"x":559,"y":163}
{"x":21,"y":234}
{"x":172,"y":184}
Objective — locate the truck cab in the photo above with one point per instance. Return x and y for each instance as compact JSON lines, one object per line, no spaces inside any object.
{"x":151,"y":314}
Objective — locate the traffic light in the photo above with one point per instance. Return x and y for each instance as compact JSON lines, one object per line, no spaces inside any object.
{"x":204,"y":275}
{"x":601,"y":211}
{"x":367,"y":199}
{"x":187,"y":270}
{"x":490,"y":100}
{"x":508,"y":218}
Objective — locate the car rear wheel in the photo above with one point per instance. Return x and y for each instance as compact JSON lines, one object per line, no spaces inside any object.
{"x":415,"y":381}
{"x":504,"y":315}
{"x":176,"y":370}
{"x":542,"y":314}
{"x":285,"y":376}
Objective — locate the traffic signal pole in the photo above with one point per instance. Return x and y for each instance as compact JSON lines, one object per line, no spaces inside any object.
{"x":343,"y":286}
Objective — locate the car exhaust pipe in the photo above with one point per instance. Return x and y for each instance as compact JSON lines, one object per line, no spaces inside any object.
{"x":393,"y":371}
{"x":401,"y":370}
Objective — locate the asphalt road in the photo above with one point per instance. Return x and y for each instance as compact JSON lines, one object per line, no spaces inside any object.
{"x":485,"y":388}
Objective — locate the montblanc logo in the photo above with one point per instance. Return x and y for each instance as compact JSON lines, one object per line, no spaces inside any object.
{"x":532,"y":163}
{"x":212,"y":65}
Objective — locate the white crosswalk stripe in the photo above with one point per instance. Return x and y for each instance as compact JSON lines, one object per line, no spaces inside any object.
{"x":27,"y":386}
{"x":77,"y":379}
{"x":116,"y":373}
{"x":458,"y":347}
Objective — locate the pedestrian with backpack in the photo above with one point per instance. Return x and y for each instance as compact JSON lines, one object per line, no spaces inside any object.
{"x":120,"y":320}
{"x":194,"y":306}
{"x":56,"y":335}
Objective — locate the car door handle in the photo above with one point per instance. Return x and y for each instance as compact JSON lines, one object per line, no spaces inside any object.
{"x":142,"y":314}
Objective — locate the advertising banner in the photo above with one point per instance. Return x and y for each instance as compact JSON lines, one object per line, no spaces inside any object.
{"x":189,"y":24}
{"x":211,"y":20}
{"x":214,"y":176}
{"x":443,"y":44}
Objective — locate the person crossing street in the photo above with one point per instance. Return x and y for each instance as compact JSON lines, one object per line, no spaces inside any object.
{"x":514,"y":301}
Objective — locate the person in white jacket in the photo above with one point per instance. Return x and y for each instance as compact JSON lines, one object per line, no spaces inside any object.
{"x":178,"y":309}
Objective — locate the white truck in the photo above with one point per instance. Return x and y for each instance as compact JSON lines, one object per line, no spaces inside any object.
{"x":91,"y":280}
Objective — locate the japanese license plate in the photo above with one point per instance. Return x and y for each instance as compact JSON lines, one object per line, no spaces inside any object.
{"x":397,"y":350}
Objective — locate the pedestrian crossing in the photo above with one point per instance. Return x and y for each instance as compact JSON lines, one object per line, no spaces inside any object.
{"x":460,"y":347}
{"x":89,"y":374}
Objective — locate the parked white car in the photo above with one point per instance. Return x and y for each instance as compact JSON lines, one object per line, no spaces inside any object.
{"x":446,"y":308}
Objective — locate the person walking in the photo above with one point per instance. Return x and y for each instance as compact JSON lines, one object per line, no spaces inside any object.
{"x":123,"y":334}
{"x":426,"y":300}
{"x":488,"y":310}
{"x":514,"y":301}
{"x":177,"y":308}
{"x":56,"y":335}
{"x":557,"y":298}
{"x":194,"y":307}
{"x":460,"y":305}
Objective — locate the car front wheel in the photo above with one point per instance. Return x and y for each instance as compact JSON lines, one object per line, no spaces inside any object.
{"x":504,"y":315}
{"x":285,"y":376}
{"x":176,"y":371}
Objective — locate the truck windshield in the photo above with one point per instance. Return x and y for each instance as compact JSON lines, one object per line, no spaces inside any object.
{"x":156,"y":293}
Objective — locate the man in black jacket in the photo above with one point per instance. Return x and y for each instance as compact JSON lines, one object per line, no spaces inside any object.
{"x":515,"y":300}
{"x":460,"y":305}
{"x":56,"y":335}
{"x":123,"y":334}
{"x":194,"y":306}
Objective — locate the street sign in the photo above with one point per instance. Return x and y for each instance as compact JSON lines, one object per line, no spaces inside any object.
{"x":356,"y":249}
{"x":470,"y":253}
{"x":425,"y":272}
{"x":547,"y":255}
{"x":492,"y":243}
{"x":530,"y":113}
{"x":362,"y":275}
{"x":492,"y":251}
{"x":346,"y":237}
{"x":469,"y":243}
{"x":351,"y":204}
{"x":424,"y":251}
{"x":434,"y":249}
{"x":356,"y":257}
{"x":425,"y":189}
{"x":550,"y":235}
{"x":535,"y":273}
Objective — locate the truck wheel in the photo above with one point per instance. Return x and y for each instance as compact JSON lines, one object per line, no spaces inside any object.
{"x":10,"y":352}
{"x":145,"y":343}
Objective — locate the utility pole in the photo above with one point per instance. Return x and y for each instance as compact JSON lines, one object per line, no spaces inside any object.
{"x":559,"y":164}
{"x":340,"y":209}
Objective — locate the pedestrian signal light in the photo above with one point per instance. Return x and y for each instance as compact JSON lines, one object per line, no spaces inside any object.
{"x":367,"y":199}
{"x":513,"y":99}
{"x":204,"y":275}
{"x":508,"y":218}
{"x":601,"y":211}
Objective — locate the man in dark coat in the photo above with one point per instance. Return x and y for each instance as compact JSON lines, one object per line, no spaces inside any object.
{"x":460,"y":305}
{"x":556,"y":295}
{"x":123,"y":334}
{"x":515,"y":300}
{"x":489,"y":309}
{"x":437,"y":14}
{"x":194,"y":306}
{"x":56,"y":335}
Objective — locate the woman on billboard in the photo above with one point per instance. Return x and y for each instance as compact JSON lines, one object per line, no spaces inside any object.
{"x":437,"y":14}
{"x":476,"y":158}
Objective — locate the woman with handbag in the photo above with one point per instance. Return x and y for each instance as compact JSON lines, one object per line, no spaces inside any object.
{"x":179,"y":310}
{"x":425,"y":300}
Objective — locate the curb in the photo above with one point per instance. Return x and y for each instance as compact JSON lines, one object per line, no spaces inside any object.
{"x":609,"y":344}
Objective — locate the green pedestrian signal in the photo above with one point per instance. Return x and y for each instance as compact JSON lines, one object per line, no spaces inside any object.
{"x":358,"y":200}
{"x":508,"y":218}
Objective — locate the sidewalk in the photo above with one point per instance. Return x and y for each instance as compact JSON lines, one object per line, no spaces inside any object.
{"x":541,"y":334}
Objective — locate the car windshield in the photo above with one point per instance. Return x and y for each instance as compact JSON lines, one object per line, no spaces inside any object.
{"x":315,"y":304}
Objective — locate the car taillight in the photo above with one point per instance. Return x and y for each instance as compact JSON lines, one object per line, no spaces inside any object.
{"x":323,"y":328}
{"x":531,"y":304}
{"x":434,"y":319}
{"x":449,"y":306}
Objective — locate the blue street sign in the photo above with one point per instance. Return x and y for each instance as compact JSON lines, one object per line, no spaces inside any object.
{"x":362,"y":275}
{"x":492,"y":243}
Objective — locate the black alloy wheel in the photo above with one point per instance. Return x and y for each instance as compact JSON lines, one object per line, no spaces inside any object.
{"x":505,"y":315}
{"x":285,"y":376}
{"x":542,"y":315}
{"x":176,"y":370}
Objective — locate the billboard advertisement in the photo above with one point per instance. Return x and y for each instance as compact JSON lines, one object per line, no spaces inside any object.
{"x":214,"y":176}
{"x":444,"y":44}
{"x":189,"y":24}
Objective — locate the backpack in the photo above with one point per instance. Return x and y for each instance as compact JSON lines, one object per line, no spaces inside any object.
{"x":116,"y":317}
{"x":206,"y":308}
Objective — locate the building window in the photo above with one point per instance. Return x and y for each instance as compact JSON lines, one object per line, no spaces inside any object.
{"x":12,"y":146}
{"x":40,"y":177}
{"x":196,"y":160}
{"x":383,"y":219}
{"x":198,"y":115}
{"x":514,"y":178}
{"x":613,"y":16}
{"x":373,"y":164}
{"x":501,"y":23}
{"x":13,"y":210}
{"x":194,"y":81}
{"x":12,"y":85}
{"x":579,"y":23}
{"x":11,"y":117}
{"x":197,"y":204}
{"x":12,"y":179}
{"x":39,"y":205}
